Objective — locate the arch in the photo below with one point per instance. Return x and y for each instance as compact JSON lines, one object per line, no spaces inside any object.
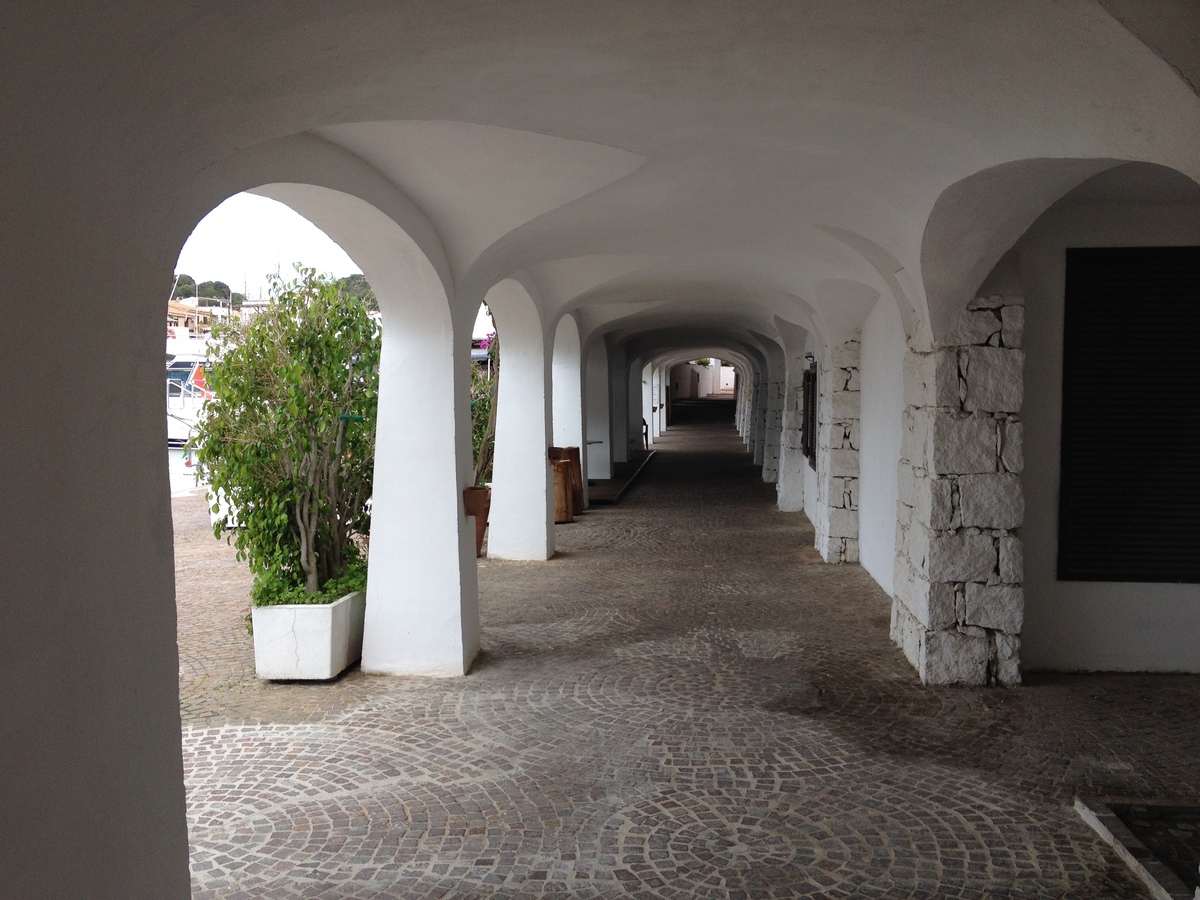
{"x":522,"y":517}
{"x":567,"y":385}
{"x":1091,"y":625}
{"x":976,"y":220}
{"x":422,"y":596}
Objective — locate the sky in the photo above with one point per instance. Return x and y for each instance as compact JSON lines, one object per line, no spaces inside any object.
{"x":248,"y":236}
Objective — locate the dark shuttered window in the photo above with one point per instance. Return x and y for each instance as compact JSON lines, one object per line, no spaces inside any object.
{"x":808,"y":429}
{"x":1129,"y":501}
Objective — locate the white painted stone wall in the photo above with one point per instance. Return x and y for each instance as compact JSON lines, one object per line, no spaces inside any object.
{"x":882,"y":408}
{"x":793,"y":464}
{"x":1077,"y":625}
{"x":958,"y":603}
{"x":838,"y":398}
{"x":761,"y":388}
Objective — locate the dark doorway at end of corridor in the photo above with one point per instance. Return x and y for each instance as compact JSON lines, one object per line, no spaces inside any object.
{"x":702,"y":411}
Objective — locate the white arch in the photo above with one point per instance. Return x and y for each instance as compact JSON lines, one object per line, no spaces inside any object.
{"x":522,"y":516}
{"x":422,"y":593}
{"x":567,"y":367}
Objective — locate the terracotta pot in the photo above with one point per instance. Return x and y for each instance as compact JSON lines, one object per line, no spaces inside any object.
{"x":478,"y":501}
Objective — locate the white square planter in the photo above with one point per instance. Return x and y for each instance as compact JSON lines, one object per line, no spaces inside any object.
{"x":310,"y":642}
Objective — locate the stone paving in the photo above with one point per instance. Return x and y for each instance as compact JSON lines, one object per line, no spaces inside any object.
{"x":685,"y":702}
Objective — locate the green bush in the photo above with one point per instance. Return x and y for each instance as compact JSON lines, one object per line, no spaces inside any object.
{"x":289,"y":438}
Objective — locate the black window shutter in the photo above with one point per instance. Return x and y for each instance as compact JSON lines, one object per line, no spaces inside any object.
{"x":1129,"y":495}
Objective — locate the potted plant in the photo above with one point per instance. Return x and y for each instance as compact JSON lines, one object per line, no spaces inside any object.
{"x":288,"y":442}
{"x":485,"y":380}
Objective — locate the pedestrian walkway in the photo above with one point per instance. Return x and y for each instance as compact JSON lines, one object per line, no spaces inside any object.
{"x":685,"y":702}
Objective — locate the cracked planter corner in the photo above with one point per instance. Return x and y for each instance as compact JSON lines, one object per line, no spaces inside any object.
{"x":312,"y":642}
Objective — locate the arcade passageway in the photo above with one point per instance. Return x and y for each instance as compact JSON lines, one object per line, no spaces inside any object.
{"x":683,"y":702}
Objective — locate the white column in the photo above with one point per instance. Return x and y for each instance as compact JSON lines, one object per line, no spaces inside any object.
{"x":618,"y":374}
{"x":422,"y":594}
{"x":567,"y":398}
{"x":647,"y":406}
{"x":521,"y":524}
{"x":567,"y":381}
{"x":597,"y":415}
{"x":663,"y":380}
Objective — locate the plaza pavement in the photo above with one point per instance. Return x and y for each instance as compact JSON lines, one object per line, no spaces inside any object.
{"x":685,"y":702}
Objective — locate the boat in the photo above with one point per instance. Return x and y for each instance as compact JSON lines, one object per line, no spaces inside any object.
{"x":187,"y":386}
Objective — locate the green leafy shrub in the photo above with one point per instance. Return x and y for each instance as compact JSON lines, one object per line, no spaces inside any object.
{"x":484,"y":383}
{"x":289,"y":438}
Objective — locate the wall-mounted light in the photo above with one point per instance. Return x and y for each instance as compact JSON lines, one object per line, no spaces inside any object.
{"x":808,"y":357}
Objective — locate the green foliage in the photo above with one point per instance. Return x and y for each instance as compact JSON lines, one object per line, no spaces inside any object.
{"x":217,"y":290}
{"x":289,"y":438}
{"x":484,"y":383}
{"x":185,"y":286}
{"x":357,"y":286}
{"x":272,"y":589}
{"x":703,"y":361}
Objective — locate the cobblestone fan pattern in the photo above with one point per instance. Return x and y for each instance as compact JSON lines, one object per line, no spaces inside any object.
{"x":685,"y":702}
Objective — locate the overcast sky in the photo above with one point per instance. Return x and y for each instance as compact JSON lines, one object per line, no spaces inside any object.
{"x":247,"y":237}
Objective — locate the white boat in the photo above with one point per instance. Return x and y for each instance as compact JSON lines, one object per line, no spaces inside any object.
{"x":187,"y":387}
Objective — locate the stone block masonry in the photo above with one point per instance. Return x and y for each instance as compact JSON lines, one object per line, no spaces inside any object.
{"x":838,"y":416}
{"x":775,"y":406}
{"x":958,"y":603}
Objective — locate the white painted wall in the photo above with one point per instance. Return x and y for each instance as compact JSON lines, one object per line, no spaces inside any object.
{"x":685,"y":382}
{"x":1074,"y":625}
{"x":881,"y":371}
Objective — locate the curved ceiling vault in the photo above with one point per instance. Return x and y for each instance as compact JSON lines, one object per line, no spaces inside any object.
{"x":708,"y":166}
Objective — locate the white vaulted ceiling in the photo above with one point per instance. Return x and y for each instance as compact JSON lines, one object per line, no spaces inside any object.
{"x":663,"y":163}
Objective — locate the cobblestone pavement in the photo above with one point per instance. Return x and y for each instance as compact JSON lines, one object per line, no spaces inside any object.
{"x":685,"y":702}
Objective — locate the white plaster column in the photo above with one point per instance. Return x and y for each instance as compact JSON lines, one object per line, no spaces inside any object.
{"x":836,"y":522}
{"x":567,"y":383}
{"x":521,"y":522}
{"x":958,"y":603}
{"x":743,"y":406}
{"x":422,"y":595}
{"x":567,"y":393}
{"x":658,"y":422}
{"x":646,"y":403}
{"x":619,"y":390}
{"x":597,"y":415}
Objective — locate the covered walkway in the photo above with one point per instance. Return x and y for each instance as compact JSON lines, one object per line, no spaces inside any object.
{"x":682,"y":703}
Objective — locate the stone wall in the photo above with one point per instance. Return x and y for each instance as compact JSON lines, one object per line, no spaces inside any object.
{"x":837,"y":456}
{"x":774,"y":431}
{"x":958,"y":604}
{"x":758,"y":419}
{"x":789,"y":484}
